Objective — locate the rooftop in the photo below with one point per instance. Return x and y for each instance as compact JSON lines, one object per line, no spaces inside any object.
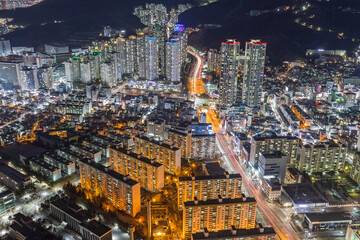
{"x":158,"y":142}
{"x":235,"y":233}
{"x":304,"y":193}
{"x":328,"y":216}
{"x":13,"y":174}
{"x":219,"y":201}
{"x":140,"y":157}
{"x":95,"y":227}
{"x":125,"y":179}
{"x":71,"y":209}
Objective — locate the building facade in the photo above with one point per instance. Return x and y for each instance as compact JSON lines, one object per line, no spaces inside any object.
{"x":229,"y":69}
{"x":148,"y":172}
{"x":218,"y":214}
{"x":320,"y":158}
{"x":122,"y":192}
{"x":193,"y":145}
{"x":255,"y":52}
{"x":208,"y":187}
{"x":269,"y":145}
{"x":166,"y":154}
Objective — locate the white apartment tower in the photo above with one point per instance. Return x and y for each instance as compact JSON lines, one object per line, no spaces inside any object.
{"x":255,"y":52}
{"x":151,"y":58}
{"x":229,"y":69}
{"x":173,"y":61}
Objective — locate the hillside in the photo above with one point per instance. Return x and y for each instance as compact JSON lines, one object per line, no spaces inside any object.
{"x":289,"y":26}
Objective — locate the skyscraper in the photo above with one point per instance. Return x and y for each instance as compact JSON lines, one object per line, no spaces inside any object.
{"x":127,"y":54}
{"x":140,"y":54}
{"x":173,"y":61}
{"x":229,"y":69}
{"x":107,"y":73}
{"x":85,"y":71}
{"x":160,"y":34}
{"x":151,"y":58}
{"x":255,"y":52}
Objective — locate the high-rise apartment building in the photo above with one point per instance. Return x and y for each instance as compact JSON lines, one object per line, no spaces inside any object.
{"x":72,"y":69}
{"x":148,"y":172}
{"x":208,"y":187}
{"x":151,"y":58}
{"x":229,"y":69}
{"x":213,"y":60}
{"x":355,"y":170}
{"x":173,"y":61}
{"x":122,"y":192}
{"x":255,"y":52}
{"x":258,"y":233}
{"x":193,"y":145}
{"x":140,"y":54}
{"x":28,"y":79}
{"x":321,"y":158}
{"x":166,"y":154}
{"x":218,"y":214}
{"x":108,"y":73}
{"x":160,"y":34}
{"x":181,"y":37}
{"x":85,"y":72}
{"x":269,"y":145}
{"x":127,"y":54}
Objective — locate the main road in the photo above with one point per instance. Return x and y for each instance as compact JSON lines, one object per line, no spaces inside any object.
{"x":275,"y":216}
{"x":195,"y":85}
{"x":272,"y":214}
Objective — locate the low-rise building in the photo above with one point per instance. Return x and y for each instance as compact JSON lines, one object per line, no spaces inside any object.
{"x":45,"y":169}
{"x":7,"y":200}
{"x":127,"y":141}
{"x":97,"y":146}
{"x":23,"y":228}
{"x":327,"y":221}
{"x":69,"y":212}
{"x":67,"y":153}
{"x":79,"y":220}
{"x":93,"y":230}
{"x":67,"y":167}
{"x":271,"y":187}
{"x":296,"y":192}
{"x":86,"y":151}
{"x":12,"y":178}
{"x":293,"y":176}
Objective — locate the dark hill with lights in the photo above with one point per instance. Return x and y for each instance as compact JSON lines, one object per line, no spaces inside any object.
{"x":279,"y":26}
{"x":278,"y":22}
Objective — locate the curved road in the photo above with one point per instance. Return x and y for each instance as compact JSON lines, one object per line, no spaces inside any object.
{"x":278,"y":221}
{"x":196,"y":72}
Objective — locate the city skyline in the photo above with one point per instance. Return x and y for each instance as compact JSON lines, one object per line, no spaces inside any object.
{"x":185,"y":120}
